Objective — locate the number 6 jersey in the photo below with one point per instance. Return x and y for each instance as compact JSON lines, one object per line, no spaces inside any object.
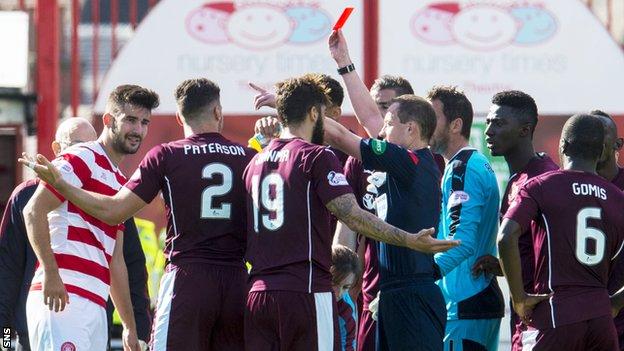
{"x":289,"y":237}
{"x":579,"y":232}
{"x":201,"y":179}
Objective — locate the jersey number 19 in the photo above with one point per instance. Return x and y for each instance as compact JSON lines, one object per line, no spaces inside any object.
{"x":270,"y":194}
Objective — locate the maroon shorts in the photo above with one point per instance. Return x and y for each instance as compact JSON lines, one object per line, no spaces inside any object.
{"x":367,"y":332}
{"x":288,"y":320}
{"x":597,"y":334}
{"x":200,"y":307}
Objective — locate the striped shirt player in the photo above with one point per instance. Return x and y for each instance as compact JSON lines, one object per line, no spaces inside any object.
{"x":201,"y":179}
{"x":290,"y":305}
{"x":83,"y":248}
{"x":579,"y":233}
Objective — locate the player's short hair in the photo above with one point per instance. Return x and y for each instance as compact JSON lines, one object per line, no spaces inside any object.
{"x":296,"y":96}
{"x":455,"y":105}
{"x":601,"y":113}
{"x":400,"y":85}
{"x":132,"y":95}
{"x":344,"y":262}
{"x":336,"y":92}
{"x":583,"y":135}
{"x":194,"y":95}
{"x":522,"y":104}
{"x":414,"y":108}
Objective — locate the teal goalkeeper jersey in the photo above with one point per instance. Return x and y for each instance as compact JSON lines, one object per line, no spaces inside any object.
{"x":470,"y":206}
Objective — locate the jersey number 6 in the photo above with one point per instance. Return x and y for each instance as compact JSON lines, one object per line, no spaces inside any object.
{"x":583,"y":232}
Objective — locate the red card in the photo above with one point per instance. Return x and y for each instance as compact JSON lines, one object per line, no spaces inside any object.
{"x":343,"y":18}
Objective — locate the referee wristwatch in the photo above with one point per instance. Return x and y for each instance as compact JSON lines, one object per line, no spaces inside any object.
{"x":346,"y":69}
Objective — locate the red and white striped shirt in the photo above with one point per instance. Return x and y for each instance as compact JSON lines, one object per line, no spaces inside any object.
{"x":83,"y":245}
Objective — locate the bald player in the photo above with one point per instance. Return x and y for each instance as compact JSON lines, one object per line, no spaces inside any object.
{"x":17,"y":259}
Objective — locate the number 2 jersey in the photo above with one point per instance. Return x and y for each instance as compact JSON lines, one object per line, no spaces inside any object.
{"x":289,"y":238}
{"x":201,"y":179}
{"x":579,"y":232}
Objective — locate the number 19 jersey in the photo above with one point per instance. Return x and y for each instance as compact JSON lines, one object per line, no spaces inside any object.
{"x":289,"y":237}
{"x":579,"y":232}
{"x":201,"y":179}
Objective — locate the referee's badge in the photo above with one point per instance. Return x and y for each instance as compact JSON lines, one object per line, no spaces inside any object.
{"x":378,"y":146}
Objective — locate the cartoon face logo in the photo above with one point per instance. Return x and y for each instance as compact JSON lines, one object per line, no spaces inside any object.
{"x":259,"y":26}
{"x":483,"y":27}
{"x":311,"y":24}
{"x":433,"y":24}
{"x":537,"y":24}
{"x":208,"y":23}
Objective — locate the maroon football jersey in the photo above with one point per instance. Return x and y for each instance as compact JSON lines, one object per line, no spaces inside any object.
{"x":579,"y":231}
{"x":616,"y":280}
{"x":538,"y":165}
{"x":619,"y":179}
{"x":357,"y":178}
{"x":201,"y":179}
{"x":289,"y":239}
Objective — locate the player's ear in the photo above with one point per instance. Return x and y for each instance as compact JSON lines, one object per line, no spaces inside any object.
{"x":525,"y":130}
{"x":618,"y":144}
{"x":107,"y":119}
{"x":313,"y":114}
{"x":218,"y":112}
{"x":56,"y":148}
{"x":457,"y":125}
{"x":179,"y":119}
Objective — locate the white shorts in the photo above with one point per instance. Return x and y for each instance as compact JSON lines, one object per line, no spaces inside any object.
{"x":81,"y":326}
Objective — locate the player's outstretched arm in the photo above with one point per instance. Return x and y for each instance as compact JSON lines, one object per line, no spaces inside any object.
{"x":366,"y":110}
{"x":523,"y":303}
{"x":112,"y":210}
{"x":342,"y":138}
{"x":346,"y":209}
{"x":38,"y":230}
{"x":120,"y":294}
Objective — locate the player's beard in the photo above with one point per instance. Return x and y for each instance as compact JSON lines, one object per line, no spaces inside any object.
{"x":119,"y":140}
{"x":439,"y":143}
{"x":318,"y":131}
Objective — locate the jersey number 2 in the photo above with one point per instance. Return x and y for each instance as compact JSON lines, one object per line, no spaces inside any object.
{"x":583,"y":232}
{"x":207,"y":209}
{"x":270,"y":194}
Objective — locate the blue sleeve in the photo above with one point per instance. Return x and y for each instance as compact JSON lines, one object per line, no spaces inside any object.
{"x":381,"y":155}
{"x":469,"y":192}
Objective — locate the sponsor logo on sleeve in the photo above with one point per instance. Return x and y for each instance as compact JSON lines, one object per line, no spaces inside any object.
{"x":378,"y":146}
{"x":336,"y":179}
{"x":457,"y":198}
{"x":63,"y":166}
